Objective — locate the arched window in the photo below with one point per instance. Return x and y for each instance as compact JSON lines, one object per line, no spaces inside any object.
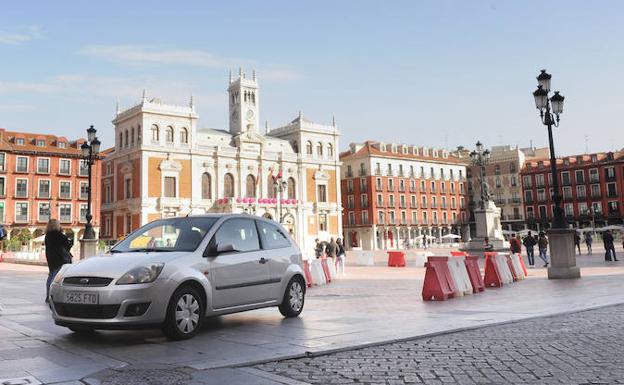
{"x":292,"y":194}
{"x":206,"y":186}
{"x":250,"y":186}
{"x":169,"y":134}
{"x":155,"y":133}
{"x":330,"y":150}
{"x":183,"y":135}
{"x":228,"y":186}
{"x":319,"y":149}
{"x":270,"y":187}
{"x":309,"y":148}
{"x":132,"y":137}
{"x":121,"y":140}
{"x":126,"y":139}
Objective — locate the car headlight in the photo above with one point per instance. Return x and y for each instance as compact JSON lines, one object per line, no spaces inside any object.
{"x":142,"y":274}
{"x":59,"y":276}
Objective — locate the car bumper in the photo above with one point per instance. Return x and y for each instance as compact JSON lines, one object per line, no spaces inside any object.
{"x":113,"y":304}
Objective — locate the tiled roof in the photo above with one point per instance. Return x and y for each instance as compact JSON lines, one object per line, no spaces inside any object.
{"x":7,"y":143}
{"x":572,"y":160}
{"x":368,"y":149}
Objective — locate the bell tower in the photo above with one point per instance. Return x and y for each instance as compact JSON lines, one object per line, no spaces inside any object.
{"x":244,"y":103}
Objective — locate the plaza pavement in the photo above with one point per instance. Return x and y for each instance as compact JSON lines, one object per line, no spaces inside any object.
{"x":370,"y":306}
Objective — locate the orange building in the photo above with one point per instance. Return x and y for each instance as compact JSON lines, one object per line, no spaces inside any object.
{"x":43,"y":177}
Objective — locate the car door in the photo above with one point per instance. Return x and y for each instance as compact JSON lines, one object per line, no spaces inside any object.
{"x":279,"y":252}
{"x":241,"y":276}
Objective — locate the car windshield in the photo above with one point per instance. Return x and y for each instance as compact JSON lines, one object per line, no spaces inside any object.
{"x":175,"y":234}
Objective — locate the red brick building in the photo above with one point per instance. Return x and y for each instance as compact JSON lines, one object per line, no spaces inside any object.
{"x":393,"y":194}
{"x":43,"y":177}
{"x":591,"y":187}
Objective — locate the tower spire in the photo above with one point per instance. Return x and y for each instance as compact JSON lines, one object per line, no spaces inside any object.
{"x":144,"y":97}
{"x":192,"y":103}
{"x":334,"y":120}
{"x":117,"y":111}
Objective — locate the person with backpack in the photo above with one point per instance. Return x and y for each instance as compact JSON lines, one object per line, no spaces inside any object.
{"x":529,"y":244}
{"x":57,"y":247}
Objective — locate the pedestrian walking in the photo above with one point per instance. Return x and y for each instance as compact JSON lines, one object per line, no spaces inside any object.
{"x":514,"y":245}
{"x":340,"y":257}
{"x":318,"y":248}
{"x":588,"y":242}
{"x":577,"y":241}
{"x":332,"y":248}
{"x":607,"y":239}
{"x":529,"y":244}
{"x":542,"y":244}
{"x":57,"y":247}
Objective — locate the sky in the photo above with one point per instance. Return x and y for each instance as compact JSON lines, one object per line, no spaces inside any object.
{"x":433,"y":73}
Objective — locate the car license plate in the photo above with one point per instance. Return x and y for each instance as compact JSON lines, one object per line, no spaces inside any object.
{"x":81,"y":297}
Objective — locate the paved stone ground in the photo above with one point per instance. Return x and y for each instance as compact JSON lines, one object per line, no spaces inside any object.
{"x":578,"y":348}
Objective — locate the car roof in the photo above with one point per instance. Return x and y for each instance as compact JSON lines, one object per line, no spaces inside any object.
{"x":225,"y":215}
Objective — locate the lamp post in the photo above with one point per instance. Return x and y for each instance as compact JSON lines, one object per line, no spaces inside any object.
{"x":90,"y":150}
{"x":279,"y":186}
{"x":480,"y":158}
{"x":550,"y":109}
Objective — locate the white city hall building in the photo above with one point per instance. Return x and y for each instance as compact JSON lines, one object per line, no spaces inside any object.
{"x":163,"y":165}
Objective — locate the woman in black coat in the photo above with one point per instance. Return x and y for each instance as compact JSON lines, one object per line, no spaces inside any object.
{"x":57,"y":247}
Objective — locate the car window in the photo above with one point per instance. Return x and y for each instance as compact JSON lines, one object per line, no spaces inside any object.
{"x":175,"y":234}
{"x":272,"y":236}
{"x":239,"y":232}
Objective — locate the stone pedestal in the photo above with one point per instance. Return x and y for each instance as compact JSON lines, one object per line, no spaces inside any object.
{"x":488,"y":225}
{"x":88,"y":248}
{"x":562,"y":254}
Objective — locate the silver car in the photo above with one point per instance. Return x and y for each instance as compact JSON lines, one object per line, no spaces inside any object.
{"x":172,"y":273}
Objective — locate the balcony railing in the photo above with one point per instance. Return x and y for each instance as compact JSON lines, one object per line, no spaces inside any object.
{"x":596,"y":195}
{"x":362,"y":173}
{"x":378,"y":171}
{"x":594,"y":179}
{"x":581,"y":196}
{"x":349,"y":174}
{"x":514,"y":201}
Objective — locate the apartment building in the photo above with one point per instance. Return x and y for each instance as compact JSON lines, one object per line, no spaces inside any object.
{"x":395,"y":194}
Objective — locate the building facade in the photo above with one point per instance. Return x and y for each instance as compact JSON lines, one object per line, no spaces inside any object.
{"x":163,"y":165}
{"x":591,"y":187}
{"x":43,"y":177}
{"x":395,"y":195}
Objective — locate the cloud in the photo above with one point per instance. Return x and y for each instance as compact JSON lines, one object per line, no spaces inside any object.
{"x":16,"y":108}
{"x":12,"y":38}
{"x":128,"y":90}
{"x":135,"y":55}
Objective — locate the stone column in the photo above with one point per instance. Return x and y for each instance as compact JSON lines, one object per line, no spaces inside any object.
{"x":562,"y":254}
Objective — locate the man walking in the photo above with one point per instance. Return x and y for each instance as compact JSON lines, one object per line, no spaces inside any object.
{"x":529,"y":244}
{"x":542,"y":244}
{"x":588,"y":242}
{"x":577,"y":241}
{"x":607,"y":239}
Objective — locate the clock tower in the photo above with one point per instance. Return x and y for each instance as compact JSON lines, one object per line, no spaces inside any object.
{"x":244,"y":103}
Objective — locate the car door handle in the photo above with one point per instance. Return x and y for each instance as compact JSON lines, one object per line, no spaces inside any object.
{"x":263,"y":260}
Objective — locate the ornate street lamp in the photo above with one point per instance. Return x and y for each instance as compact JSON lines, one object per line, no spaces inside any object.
{"x":279,"y":185}
{"x":90,"y":151}
{"x":549,"y":115}
{"x":480,"y":158}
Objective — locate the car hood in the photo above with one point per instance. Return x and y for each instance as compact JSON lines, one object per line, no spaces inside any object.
{"x":116,"y":265}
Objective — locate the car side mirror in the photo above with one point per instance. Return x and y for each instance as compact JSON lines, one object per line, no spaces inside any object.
{"x":215,"y":249}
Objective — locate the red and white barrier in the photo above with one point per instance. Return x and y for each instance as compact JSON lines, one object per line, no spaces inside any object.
{"x":457,"y":267}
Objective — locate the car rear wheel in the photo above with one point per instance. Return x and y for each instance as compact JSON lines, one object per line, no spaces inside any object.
{"x":294,"y":298}
{"x":184,"y":314}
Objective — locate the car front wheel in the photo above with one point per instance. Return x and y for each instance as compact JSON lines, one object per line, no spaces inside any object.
{"x":184,"y":314}
{"x":294,"y":298}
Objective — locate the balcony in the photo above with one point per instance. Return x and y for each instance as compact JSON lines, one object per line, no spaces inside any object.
{"x":610,"y":178}
{"x":443,"y":206}
{"x":362,"y":172}
{"x":378,"y":187}
{"x":413,"y":190}
{"x":596,"y":196}
{"x":581,"y":196}
{"x":514,"y":201}
{"x":612,"y":195}
{"x":349,"y":188}
{"x":500,"y":202}
{"x":538,"y":185}
{"x":349,"y":174}
{"x":568,"y":198}
{"x":565,"y":182}
{"x":434,"y":205}
{"x":594,"y":179}
{"x":378,"y":171}
{"x":401,"y":189}
{"x":364,"y":205}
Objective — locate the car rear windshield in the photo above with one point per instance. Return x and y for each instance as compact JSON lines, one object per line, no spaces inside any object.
{"x":175,"y":234}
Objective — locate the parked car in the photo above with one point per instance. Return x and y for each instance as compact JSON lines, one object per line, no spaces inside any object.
{"x":172,"y":273}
